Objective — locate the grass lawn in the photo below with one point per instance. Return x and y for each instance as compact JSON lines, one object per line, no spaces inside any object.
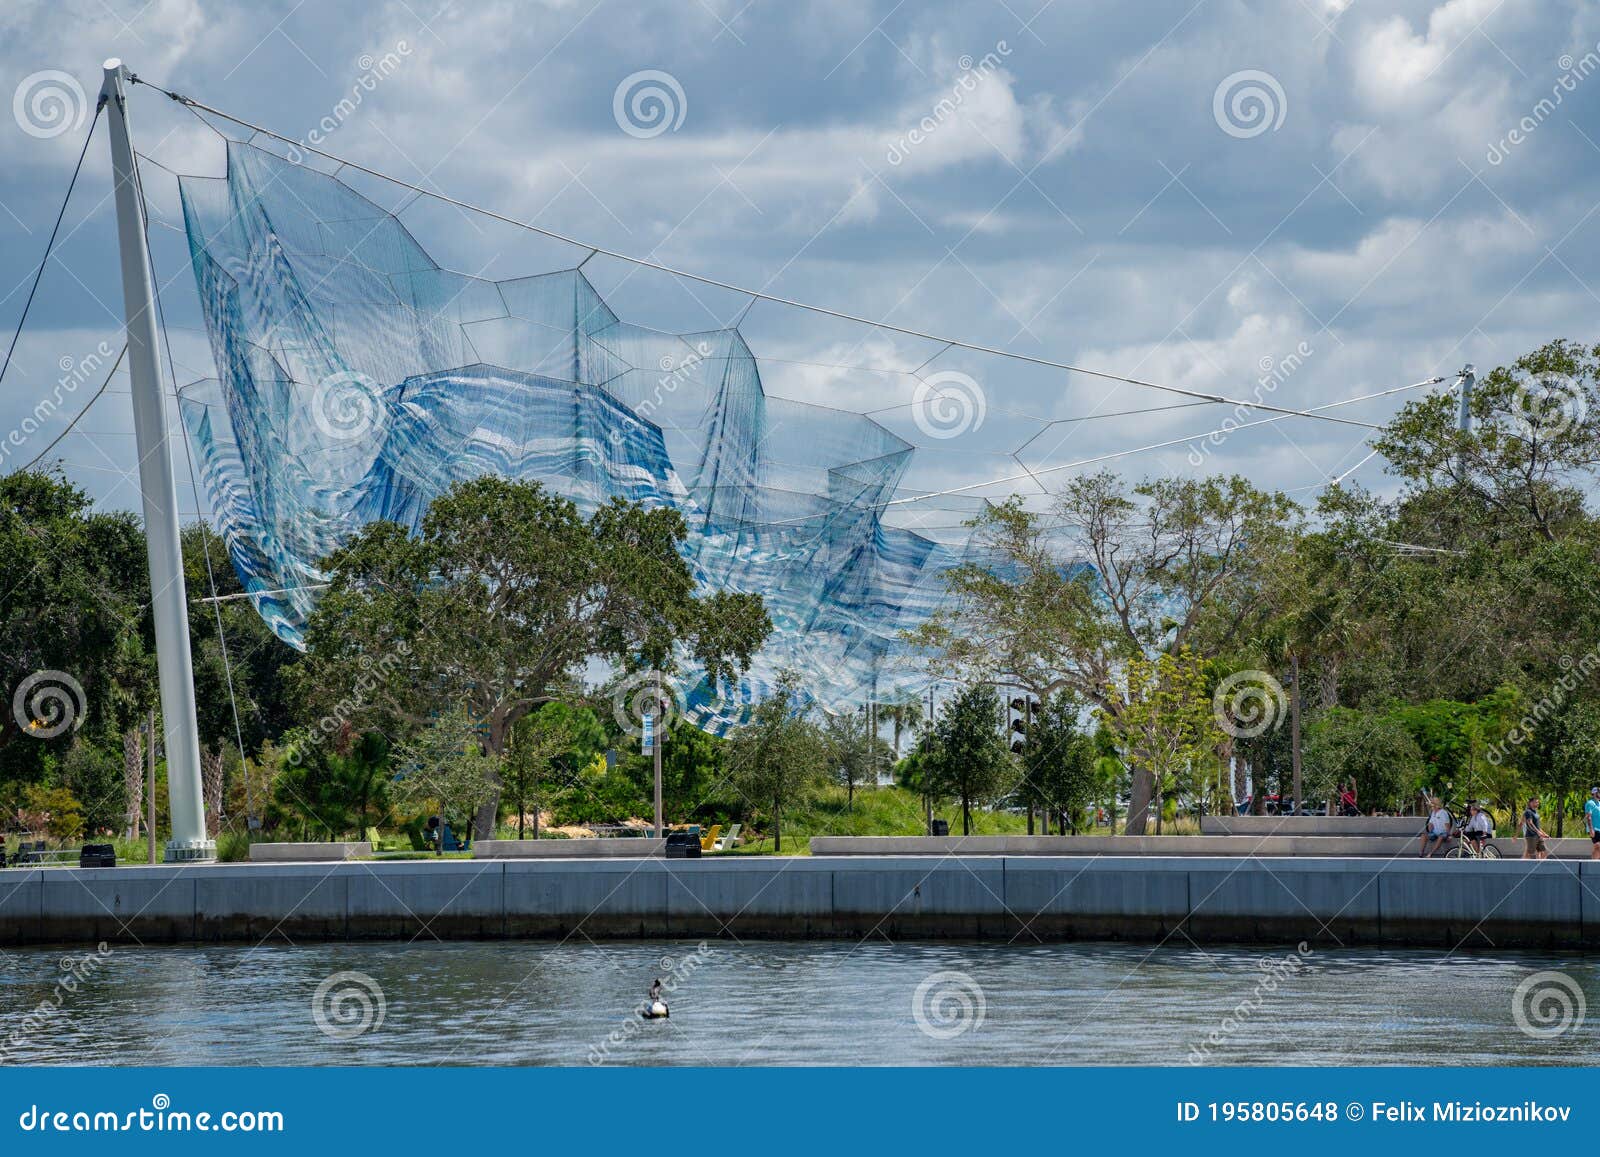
{"x":881,"y":811}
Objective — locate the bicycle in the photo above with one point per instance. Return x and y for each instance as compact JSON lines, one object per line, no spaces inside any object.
{"x":1467,"y":849}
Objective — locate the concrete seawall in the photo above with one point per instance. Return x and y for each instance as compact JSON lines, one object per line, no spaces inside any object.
{"x":1261,"y":847}
{"x":1322,"y":901}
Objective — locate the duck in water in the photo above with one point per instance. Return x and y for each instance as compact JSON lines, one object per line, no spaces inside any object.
{"x":655,"y":1008}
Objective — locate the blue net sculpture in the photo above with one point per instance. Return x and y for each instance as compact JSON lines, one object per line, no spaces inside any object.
{"x":358,"y":379}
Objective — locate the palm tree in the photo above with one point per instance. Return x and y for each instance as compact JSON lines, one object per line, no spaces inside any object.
{"x":905,"y":714}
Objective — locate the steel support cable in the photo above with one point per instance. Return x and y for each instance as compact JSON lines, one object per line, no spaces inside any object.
{"x":754,"y":294}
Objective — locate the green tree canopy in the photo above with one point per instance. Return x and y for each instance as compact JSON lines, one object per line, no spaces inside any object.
{"x":779,"y":757}
{"x":505,"y":593}
{"x":964,"y":755}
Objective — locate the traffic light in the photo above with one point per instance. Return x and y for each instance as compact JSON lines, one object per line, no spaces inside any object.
{"x":1026,"y":708}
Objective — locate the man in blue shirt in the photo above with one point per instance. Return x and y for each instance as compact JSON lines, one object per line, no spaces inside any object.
{"x":1591,"y":820}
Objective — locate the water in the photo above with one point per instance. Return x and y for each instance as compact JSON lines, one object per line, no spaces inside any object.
{"x":533,"y":1003}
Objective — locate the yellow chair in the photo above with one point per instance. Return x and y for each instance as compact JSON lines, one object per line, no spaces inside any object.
{"x":708,"y":842}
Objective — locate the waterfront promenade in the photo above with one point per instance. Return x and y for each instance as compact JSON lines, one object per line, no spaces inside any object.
{"x":1334,"y":901}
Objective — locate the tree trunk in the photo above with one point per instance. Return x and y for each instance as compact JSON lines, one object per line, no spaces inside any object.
{"x":536,"y":818}
{"x":1139,"y":793}
{"x":133,"y":778}
{"x":966,"y":815}
{"x":1294,"y":723}
{"x":494,"y":744}
{"x":1328,"y":682}
{"x":1030,"y":818}
{"x":777,"y":825}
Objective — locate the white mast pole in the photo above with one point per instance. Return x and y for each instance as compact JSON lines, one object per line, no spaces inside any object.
{"x":168,"y":598}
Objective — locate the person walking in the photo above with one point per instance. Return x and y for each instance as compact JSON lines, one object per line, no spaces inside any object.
{"x":1591,"y":820}
{"x":1533,"y":835}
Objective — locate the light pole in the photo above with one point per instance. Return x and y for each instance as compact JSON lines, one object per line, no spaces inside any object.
{"x":657,"y":739}
{"x":159,"y":493}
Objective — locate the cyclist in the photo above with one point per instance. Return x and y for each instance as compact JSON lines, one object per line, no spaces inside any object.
{"x":1478,"y":829}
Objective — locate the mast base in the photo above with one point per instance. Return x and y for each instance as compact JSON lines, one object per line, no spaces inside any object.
{"x":191,"y":851}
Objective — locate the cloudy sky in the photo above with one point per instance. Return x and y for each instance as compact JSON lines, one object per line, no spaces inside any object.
{"x":1302,"y":201}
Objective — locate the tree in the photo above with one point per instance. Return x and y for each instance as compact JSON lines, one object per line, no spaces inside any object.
{"x":1163,"y":722}
{"x":326,"y":784}
{"x":446,"y":763}
{"x":255,"y":662}
{"x":531,"y":768}
{"x":965,"y":754}
{"x":1563,"y":754}
{"x":505,"y":592}
{"x":72,"y":604}
{"x":904,"y":713}
{"x":1174,"y":563}
{"x":779,"y":756}
{"x":1374,"y":751}
{"x":1058,"y":761}
{"x":850,"y":751}
{"x":94,"y":775}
